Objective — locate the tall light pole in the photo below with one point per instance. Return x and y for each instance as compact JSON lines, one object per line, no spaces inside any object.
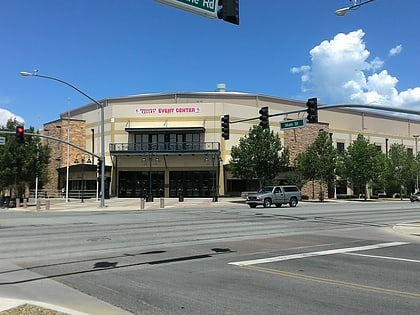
{"x":356,"y":5}
{"x":35,"y":74}
{"x":415,"y":156}
{"x":83,"y":158}
{"x":68,"y":157}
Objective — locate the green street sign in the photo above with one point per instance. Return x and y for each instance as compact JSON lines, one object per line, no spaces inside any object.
{"x":207,"y":8}
{"x":292,"y":124}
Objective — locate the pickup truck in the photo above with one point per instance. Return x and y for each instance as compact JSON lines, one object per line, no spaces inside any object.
{"x":277,"y":195}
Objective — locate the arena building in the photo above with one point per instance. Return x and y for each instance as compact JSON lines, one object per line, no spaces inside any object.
{"x":170,"y":144}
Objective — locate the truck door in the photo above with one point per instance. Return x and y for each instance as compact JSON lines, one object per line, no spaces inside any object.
{"x":278,"y":195}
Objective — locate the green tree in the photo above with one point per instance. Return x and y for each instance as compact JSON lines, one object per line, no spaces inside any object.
{"x":259,"y":155}
{"x":22,"y":163}
{"x":318,"y":162}
{"x":361,"y":163}
{"x":401,"y":169}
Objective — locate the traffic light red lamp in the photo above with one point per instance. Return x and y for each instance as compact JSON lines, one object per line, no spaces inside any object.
{"x":20,"y":134}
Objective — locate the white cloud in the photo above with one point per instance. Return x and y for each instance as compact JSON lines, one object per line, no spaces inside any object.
{"x":5,"y":115}
{"x":395,"y":51}
{"x":342,"y":71}
{"x":376,"y":64}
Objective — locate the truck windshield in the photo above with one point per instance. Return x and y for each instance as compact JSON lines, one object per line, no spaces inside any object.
{"x":266,"y":189}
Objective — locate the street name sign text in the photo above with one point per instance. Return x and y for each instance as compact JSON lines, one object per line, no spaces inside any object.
{"x":292,"y":124}
{"x":206,"y":8}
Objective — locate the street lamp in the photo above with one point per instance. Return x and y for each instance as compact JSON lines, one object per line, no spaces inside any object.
{"x":150,"y":196}
{"x":214,"y":184}
{"x":343,"y":11}
{"x":82,"y":161}
{"x":415,"y":156}
{"x":35,"y":74}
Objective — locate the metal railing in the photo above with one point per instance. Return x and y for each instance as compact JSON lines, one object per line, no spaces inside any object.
{"x":177,"y":147}
{"x":73,"y":194}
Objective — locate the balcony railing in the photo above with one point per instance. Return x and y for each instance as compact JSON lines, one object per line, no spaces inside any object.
{"x":164,"y":148}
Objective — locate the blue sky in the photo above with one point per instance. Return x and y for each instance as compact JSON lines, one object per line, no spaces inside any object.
{"x":292,"y":49}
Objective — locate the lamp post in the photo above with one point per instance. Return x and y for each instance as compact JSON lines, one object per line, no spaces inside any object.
{"x":68,"y":157}
{"x":415,"y":156}
{"x":214,"y":157}
{"x":356,"y":5}
{"x":214,"y":181}
{"x":150,"y":196}
{"x":35,"y":74}
{"x":36,"y":174}
{"x":82,"y":161}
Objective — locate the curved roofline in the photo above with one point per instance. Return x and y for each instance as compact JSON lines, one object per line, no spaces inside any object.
{"x":233,"y":95}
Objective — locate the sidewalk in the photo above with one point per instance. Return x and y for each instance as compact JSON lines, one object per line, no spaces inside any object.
{"x":21,"y":292}
{"x":114,"y":204}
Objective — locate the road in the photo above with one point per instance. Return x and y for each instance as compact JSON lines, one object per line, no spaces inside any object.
{"x":317,"y":258}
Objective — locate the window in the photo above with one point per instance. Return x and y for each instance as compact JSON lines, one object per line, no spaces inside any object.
{"x":290,"y":188}
{"x":168,"y":140}
{"x":340,"y":147}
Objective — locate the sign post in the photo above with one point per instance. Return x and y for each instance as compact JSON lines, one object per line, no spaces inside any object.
{"x":292,"y":124}
{"x":207,"y":8}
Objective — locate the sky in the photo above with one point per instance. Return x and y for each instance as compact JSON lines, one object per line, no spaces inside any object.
{"x":290,"y":49}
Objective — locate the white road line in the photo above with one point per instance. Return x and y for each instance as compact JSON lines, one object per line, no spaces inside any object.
{"x":313,"y":254}
{"x":385,"y":257}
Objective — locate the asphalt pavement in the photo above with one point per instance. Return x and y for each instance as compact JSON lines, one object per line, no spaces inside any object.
{"x":16,"y":290}
{"x":46,"y":293}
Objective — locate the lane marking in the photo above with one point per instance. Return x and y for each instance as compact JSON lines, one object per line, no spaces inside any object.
{"x":334,"y":282}
{"x":314,"y":254}
{"x":385,"y":257}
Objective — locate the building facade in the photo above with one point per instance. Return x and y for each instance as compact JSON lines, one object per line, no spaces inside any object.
{"x":170,"y":145}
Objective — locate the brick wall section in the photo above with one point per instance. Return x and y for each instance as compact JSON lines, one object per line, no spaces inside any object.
{"x":58,"y":129}
{"x":297,"y":141}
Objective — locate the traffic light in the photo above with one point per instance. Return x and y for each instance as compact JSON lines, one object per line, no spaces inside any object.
{"x":225,"y":127}
{"x":264,"y":123}
{"x":229,"y":11}
{"x":99,"y":168}
{"x":20,"y":134}
{"x":312,"y":110}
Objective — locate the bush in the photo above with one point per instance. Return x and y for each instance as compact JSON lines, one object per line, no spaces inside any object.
{"x":346,"y":197}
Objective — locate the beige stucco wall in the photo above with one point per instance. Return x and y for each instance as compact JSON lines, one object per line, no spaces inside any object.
{"x":205,"y":109}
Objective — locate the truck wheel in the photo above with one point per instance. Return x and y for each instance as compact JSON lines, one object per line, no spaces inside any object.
{"x":267,"y":203}
{"x":293,"y":202}
{"x":252,"y":205}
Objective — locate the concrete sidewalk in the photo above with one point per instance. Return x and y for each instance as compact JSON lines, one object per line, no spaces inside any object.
{"x":19,"y":286}
{"x":129,"y":204}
